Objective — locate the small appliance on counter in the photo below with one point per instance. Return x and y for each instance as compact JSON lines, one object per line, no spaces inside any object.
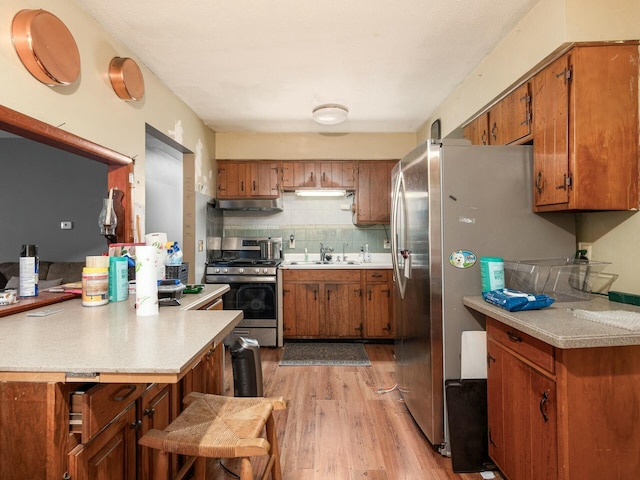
{"x":170,"y":292}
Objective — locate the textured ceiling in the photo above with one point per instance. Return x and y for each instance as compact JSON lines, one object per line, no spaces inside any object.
{"x":262,"y":66}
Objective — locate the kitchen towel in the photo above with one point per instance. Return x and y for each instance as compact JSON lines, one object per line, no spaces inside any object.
{"x":473,"y":355}
{"x":146,"y":281}
{"x":158,"y":241}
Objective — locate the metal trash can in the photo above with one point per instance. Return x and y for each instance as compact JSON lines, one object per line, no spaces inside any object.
{"x":247,"y":368}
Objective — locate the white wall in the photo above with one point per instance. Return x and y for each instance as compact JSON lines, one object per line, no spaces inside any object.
{"x":89,"y":107}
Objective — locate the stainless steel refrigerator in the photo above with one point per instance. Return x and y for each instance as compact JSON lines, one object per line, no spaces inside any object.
{"x":453,"y":203}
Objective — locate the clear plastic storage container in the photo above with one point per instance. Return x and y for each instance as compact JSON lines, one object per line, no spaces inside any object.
{"x":565,"y":279}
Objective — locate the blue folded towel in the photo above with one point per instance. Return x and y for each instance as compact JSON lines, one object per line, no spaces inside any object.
{"x":515,"y":300}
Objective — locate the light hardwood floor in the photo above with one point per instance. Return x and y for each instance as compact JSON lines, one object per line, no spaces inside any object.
{"x":338,"y":426}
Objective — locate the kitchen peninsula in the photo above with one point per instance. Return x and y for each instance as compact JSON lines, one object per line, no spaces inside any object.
{"x":79,"y":386}
{"x":562,"y":392}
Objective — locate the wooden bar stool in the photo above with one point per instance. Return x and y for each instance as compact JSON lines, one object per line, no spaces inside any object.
{"x":214,"y":426}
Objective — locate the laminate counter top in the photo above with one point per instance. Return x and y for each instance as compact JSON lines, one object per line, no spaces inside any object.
{"x":557,"y":325}
{"x":111,"y":343}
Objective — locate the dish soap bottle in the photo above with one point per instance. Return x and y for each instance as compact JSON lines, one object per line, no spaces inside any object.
{"x":367,"y":254}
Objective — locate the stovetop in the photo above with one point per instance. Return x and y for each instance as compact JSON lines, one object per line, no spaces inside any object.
{"x":245,"y":262}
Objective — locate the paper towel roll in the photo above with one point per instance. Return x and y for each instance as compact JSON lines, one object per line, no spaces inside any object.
{"x":473,"y":355}
{"x":146,"y":281}
{"x":158,"y":241}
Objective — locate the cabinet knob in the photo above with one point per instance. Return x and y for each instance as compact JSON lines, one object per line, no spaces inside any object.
{"x":539,"y":183}
{"x":136,"y":425}
{"x":149,"y":412}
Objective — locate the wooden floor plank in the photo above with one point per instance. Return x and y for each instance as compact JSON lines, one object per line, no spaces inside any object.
{"x":340,"y":425}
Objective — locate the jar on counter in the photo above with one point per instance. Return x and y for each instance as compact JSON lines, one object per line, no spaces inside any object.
{"x":95,"y":286}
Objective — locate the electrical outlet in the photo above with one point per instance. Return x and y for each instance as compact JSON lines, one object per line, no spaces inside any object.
{"x":387,"y":244}
{"x":200,"y":245}
{"x":588,"y":247}
{"x":66,"y":225}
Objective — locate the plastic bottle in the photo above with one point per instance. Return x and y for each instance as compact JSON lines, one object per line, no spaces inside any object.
{"x":118,"y":279}
{"x":361,"y":255}
{"x":367,"y":254}
{"x":168,"y":259}
{"x":177,"y":255}
{"x":95,"y":286}
{"x":29,"y":271}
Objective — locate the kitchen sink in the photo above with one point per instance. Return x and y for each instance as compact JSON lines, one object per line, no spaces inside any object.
{"x":328,"y":264}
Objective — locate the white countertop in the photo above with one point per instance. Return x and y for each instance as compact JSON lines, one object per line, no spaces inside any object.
{"x":557,"y":326}
{"x":296,"y":261}
{"x":107,"y":342}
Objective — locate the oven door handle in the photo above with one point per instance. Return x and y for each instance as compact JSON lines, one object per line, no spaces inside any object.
{"x":241,"y":279}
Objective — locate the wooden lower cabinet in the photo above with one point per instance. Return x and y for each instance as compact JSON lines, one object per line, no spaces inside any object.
{"x":337,"y":303}
{"x":155,"y":411}
{"x":378,"y":304}
{"x":111,"y":455}
{"x":54,"y":430}
{"x":561,"y":413}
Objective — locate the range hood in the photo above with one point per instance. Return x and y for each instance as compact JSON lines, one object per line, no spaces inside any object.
{"x":252,"y":204}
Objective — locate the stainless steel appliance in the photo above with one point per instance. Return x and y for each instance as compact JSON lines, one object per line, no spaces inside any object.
{"x":451,"y":204}
{"x":254,"y":288}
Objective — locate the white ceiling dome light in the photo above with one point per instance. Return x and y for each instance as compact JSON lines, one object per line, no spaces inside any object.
{"x":330,"y":114}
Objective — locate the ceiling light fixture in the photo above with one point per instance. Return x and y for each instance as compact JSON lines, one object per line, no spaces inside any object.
{"x":330,"y":114}
{"x":321,"y":193}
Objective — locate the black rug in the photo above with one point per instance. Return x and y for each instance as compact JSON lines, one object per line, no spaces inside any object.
{"x":312,"y":353}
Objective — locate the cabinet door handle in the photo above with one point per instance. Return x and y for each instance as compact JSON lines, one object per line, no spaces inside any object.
{"x":315,"y":294}
{"x":484,"y":137}
{"x":494,"y":131}
{"x":312,"y":176}
{"x":489,"y":360}
{"x":491,"y":439}
{"x":543,"y":402}
{"x":563,"y":186}
{"x":377,"y":275}
{"x":324,"y":177}
{"x":369,"y":292}
{"x":328,"y":295}
{"x":254,"y":185}
{"x":539,"y":182}
{"x":149,"y":412}
{"x":514,"y":338}
{"x":129,"y":391}
{"x":242,"y":186}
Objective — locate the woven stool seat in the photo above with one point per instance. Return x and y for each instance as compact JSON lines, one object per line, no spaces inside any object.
{"x":214,"y":426}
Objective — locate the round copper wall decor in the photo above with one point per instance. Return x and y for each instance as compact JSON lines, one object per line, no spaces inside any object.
{"x":126,"y":78}
{"x":45,"y":47}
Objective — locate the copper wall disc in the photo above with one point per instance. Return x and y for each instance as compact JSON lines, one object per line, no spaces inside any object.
{"x":46,"y":47}
{"x":126,"y":78}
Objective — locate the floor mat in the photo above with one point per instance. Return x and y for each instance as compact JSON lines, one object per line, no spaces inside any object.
{"x":326,"y":353}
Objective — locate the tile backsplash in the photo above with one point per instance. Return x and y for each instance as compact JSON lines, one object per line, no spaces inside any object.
{"x":311,"y":220}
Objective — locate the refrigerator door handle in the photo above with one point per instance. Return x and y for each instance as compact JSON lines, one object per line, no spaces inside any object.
{"x":395,"y":205}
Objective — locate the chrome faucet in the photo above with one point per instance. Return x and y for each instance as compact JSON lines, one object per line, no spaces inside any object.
{"x":344,"y":255}
{"x":323,"y":252}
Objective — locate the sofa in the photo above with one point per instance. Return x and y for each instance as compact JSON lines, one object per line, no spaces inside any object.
{"x":50,"y":274}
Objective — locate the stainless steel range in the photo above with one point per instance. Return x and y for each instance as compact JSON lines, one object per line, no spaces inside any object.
{"x":254,"y":288}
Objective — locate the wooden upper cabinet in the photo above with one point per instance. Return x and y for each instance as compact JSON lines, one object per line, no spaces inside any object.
{"x":337,"y":174}
{"x":240,"y":179}
{"x":585,"y":118}
{"x":550,"y":144}
{"x":232,"y":180}
{"x":373,"y":195}
{"x":264,"y":179}
{"x":508,"y":121}
{"x":510,"y":118}
{"x":477,"y":131}
{"x":301,"y":174}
